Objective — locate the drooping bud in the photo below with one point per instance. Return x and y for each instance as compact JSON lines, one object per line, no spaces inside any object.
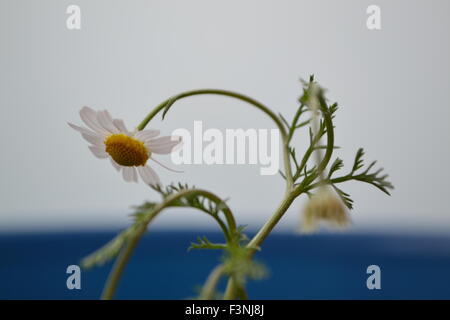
{"x":324,"y":206}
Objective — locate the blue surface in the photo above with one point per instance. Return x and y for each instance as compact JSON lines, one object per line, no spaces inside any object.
{"x":33,"y":266}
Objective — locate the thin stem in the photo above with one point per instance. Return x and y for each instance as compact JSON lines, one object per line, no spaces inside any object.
{"x":231,"y":289}
{"x":258,"y":239}
{"x":125,"y":254}
{"x":209,"y":288}
{"x":234,"y":290}
{"x":119,"y":266}
{"x":165,"y":105}
{"x":328,"y":121}
{"x":330,"y":133}
{"x":291,"y":196}
{"x":169,"y":102}
{"x":294,"y":122}
{"x":284,"y":135}
{"x":306,"y":157}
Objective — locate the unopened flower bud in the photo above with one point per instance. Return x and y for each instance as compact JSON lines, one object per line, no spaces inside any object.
{"x":324,"y":206}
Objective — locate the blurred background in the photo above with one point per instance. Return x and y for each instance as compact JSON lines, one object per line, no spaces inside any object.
{"x":59,"y":203}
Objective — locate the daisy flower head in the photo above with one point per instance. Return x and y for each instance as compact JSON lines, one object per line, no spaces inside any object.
{"x":128,"y":151}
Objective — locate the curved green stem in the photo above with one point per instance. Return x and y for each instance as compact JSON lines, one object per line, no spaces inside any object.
{"x":209,"y":288}
{"x":231,"y":289}
{"x":121,"y":261}
{"x":291,"y":195}
{"x":294,"y":122}
{"x":126,"y":252}
{"x":284,"y":135}
{"x":169,"y":102}
{"x":330,"y":134}
{"x":328,"y":120}
{"x":257,"y":240}
{"x":262,"y":234}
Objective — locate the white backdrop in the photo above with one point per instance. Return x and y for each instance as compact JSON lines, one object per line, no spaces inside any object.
{"x":392,"y":86}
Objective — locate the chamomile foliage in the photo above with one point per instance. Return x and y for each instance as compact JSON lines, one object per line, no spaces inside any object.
{"x":302,"y":175}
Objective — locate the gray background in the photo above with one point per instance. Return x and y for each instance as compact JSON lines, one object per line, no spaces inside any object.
{"x":392,"y":85}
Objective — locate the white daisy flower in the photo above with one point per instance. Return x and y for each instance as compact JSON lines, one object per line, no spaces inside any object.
{"x":128,"y":151}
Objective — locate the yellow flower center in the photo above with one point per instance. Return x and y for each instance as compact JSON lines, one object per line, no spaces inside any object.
{"x":126,"y":151}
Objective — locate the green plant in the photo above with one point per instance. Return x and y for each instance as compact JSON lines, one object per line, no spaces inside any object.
{"x":303,"y":175}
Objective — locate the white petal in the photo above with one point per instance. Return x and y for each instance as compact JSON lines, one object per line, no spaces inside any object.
{"x":96,"y":140}
{"x":148,"y":175}
{"x":108,"y":115}
{"x":164,"y":140}
{"x":115,"y":165}
{"x":120,"y":125}
{"x":129,"y":174}
{"x":146,"y":135}
{"x":135,"y":174}
{"x":105,"y":120}
{"x":98,"y":152}
{"x":163,"y":145}
{"x":89,"y":117}
{"x":81,"y":129}
{"x":164,"y":166}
